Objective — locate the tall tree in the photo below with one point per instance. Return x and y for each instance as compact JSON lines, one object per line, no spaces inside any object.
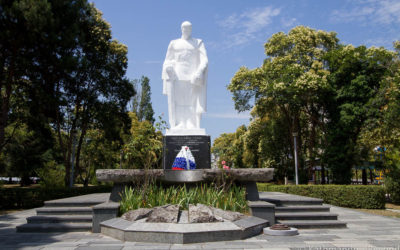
{"x":142,"y":101}
{"x":97,"y":94}
{"x":291,"y":82}
{"x":60,"y":57}
{"x":357,"y":74}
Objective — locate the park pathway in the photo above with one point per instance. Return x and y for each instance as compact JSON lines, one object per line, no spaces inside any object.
{"x":364,"y":231}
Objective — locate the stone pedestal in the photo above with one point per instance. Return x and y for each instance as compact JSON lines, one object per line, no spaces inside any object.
{"x":199,"y":145}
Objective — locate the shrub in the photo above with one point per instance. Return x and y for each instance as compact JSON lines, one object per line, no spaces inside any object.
{"x":157,"y":195}
{"x":20,"y":198}
{"x":393,"y":188}
{"x":51,"y":175}
{"x":353,"y":196}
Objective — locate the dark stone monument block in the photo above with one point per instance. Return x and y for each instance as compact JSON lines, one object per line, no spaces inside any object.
{"x":199,"y":145}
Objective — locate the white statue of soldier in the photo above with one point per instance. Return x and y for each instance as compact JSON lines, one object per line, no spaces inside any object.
{"x":184,"y":76}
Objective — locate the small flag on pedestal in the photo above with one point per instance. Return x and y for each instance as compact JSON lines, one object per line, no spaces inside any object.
{"x":184,"y":160}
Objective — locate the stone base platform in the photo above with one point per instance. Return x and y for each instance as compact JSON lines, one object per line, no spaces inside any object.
{"x":245,"y":176}
{"x":183,"y":233}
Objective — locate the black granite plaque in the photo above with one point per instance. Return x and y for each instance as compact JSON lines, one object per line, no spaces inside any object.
{"x":199,"y":145}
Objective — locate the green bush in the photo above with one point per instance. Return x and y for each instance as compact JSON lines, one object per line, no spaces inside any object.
{"x":156,"y":195}
{"x":393,"y":188}
{"x":51,"y":175}
{"x":21,"y":198}
{"x":353,"y":196}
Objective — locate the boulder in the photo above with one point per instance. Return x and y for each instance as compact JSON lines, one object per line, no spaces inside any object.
{"x":134,"y":215}
{"x":201,"y":214}
{"x":168,"y":214}
{"x":227,"y":215}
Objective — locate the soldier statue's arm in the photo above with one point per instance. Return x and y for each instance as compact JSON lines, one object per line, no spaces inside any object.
{"x":199,"y":74}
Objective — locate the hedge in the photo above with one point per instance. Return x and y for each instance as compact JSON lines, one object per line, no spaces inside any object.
{"x":21,"y":198}
{"x":353,"y":196}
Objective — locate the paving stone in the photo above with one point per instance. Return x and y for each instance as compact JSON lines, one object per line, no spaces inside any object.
{"x":99,"y":248}
{"x":185,"y":246}
{"x":58,"y":248}
{"x":150,"y":247}
{"x":382,"y":243}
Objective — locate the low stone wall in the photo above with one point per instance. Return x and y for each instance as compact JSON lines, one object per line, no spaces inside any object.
{"x":134,"y":175}
{"x":263,"y":209}
{"x":102,"y":212}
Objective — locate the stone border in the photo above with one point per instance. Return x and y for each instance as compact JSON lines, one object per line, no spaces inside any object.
{"x":182,"y":233}
{"x":102,"y":212}
{"x":237,"y":174}
{"x":262,"y":209}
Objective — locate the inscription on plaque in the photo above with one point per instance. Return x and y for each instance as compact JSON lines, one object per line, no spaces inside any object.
{"x":199,"y":146}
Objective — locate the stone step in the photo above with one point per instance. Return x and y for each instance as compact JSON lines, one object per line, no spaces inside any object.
{"x":303,"y":208}
{"x":64,"y":211}
{"x":55,"y":227}
{"x":79,"y":201}
{"x":70,"y":204}
{"x":59,"y":219}
{"x":292,"y":202}
{"x":308,"y":224}
{"x":306,"y":216}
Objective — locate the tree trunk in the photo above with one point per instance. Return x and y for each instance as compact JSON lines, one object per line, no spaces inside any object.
{"x":86,"y":181}
{"x":5,"y":106}
{"x":79,"y":148}
{"x":311,"y":150}
{"x":371,"y":176}
{"x":364,"y":177}
{"x":323,"y":174}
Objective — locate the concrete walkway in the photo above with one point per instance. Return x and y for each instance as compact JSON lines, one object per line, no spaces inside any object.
{"x":365,"y":231}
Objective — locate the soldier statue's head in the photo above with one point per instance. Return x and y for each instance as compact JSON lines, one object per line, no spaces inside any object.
{"x":186,"y":28}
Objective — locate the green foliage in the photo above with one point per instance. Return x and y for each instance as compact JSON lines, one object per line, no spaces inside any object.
{"x":341,"y":100}
{"x":157,"y":195}
{"x":353,"y":196}
{"x":288,"y":91}
{"x":60,"y":67}
{"x":51,"y":175}
{"x":96,"y":152}
{"x":26,"y":152}
{"x":356,"y":76}
{"x":144,"y":146}
{"x":229,"y":147}
{"x":22,"y":198}
{"x":392,"y":185}
{"x":142,"y":101}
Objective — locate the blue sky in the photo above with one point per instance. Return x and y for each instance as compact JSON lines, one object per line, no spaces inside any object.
{"x":234,"y":32}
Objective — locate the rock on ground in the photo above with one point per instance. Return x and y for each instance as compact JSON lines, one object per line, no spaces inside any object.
{"x":201,"y":213}
{"x":168,"y":214}
{"x":227,"y":215}
{"x":134,"y":215}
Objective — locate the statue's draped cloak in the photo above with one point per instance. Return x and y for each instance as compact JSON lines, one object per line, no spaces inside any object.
{"x":200,"y":87}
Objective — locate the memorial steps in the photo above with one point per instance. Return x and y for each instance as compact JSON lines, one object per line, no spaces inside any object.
{"x":64,"y":215}
{"x":301,"y":212}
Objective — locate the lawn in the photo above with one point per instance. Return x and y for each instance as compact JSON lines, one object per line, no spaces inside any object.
{"x":384,"y":212}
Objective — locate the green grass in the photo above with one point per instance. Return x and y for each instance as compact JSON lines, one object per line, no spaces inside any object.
{"x":157,"y":195}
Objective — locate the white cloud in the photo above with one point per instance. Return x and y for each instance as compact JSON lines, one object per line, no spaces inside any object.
{"x":289,"y":22}
{"x":244,"y":27}
{"x":244,"y":115}
{"x":371,"y":11}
